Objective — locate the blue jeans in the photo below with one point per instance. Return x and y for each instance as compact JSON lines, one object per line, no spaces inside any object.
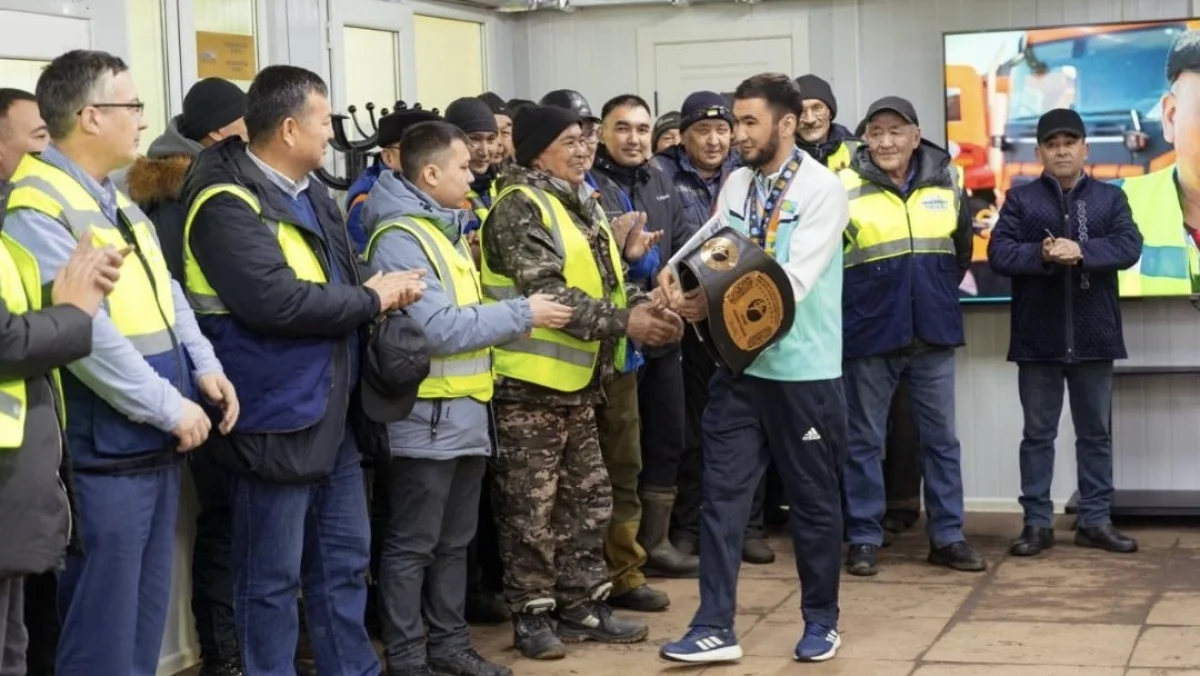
{"x":748,"y":422}
{"x":316,"y":536}
{"x":113,"y":600}
{"x":1041,"y":387}
{"x":870,"y":385}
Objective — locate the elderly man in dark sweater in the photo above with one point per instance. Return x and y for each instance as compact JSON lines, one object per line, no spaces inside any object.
{"x":1062,"y":239}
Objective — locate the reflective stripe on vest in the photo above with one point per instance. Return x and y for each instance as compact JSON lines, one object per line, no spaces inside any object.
{"x":467,"y":374}
{"x":299,"y":256}
{"x":884,"y":225}
{"x":1169,"y":260}
{"x":548,"y":357}
{"x":141,"y":305}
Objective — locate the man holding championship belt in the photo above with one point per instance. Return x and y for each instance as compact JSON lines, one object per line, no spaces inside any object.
{"x":762,"y":283}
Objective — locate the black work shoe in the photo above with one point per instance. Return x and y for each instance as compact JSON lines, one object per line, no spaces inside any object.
{"x":535,"y":638}
{"x":957,"y":555}
{"x":467,"y":663}
{"x":643,"y":599}
{"x":419,"y":670}
{"x":1105,"y":537}
{"x":221,"y":668}
{"x":861,"y":560}
{"x":594,"y":621}
{"x":1032,"y":541}
{"x":306,"y":667}
{"x":486,"y":608}
{"x":757,"y":551}
{"x":888,"y":537}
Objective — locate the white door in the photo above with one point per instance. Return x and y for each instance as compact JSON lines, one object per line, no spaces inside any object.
{"x":681,"y":68}
{"x":692,"y":55}
{"x":32,"y":40}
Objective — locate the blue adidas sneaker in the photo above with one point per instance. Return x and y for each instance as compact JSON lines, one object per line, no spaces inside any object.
{"x":818,"y":644}
{"x":703,"y":644}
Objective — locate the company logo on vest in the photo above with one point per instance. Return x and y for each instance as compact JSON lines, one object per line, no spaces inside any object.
{"x":935,"y":203}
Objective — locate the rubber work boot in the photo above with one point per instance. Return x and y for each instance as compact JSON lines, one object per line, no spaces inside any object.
{"x":533,"y":635}
{"x":594,"y":621}
{"x":662,"y":559}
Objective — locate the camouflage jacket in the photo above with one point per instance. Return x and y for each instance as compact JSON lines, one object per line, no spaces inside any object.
{"x":517,"y":245}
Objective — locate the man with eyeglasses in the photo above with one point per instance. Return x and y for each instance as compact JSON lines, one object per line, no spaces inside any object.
{"x":131,"y":406}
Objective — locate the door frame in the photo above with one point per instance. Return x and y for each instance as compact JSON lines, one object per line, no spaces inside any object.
{"x":692,"y":30}
{"x":373,"y":15}
{"x":180,"y":18}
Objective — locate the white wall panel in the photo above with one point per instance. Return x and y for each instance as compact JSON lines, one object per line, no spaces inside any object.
{"x":871,"y":48}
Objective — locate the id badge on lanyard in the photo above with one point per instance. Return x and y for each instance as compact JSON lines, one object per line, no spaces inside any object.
{"x":763,"y":213}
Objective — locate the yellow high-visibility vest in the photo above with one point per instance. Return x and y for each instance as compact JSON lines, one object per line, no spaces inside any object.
{"x":549,"y":357}
{"x":300,"y":257}
{"x":141,"y":305}
{"x":1169,"y":259}
{"x":467,"y":374}
{"x":840,"y":158}
{"x":883,"y":225}
{"x":21,"y":289}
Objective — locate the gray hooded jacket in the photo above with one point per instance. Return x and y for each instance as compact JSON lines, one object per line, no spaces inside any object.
{"x":438,"y":429}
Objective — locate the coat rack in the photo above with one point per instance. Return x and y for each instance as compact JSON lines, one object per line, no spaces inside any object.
{"x":358,"y":153}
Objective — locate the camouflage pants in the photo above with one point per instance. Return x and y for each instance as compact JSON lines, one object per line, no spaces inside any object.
{"x":552,"y":503}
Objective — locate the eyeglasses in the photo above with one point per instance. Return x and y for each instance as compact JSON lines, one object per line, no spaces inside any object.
{"x":139,"y":106}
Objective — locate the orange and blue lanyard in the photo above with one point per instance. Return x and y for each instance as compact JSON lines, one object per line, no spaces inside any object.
{"x":762,"y":213}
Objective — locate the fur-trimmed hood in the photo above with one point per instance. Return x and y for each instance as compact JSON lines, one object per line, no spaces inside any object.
{"x":159,"y":176}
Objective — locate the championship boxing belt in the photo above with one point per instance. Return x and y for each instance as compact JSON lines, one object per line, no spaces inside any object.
{"x":749,"y":297}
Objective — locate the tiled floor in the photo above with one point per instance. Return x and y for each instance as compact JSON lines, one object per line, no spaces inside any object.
{"x":1071,"y":612}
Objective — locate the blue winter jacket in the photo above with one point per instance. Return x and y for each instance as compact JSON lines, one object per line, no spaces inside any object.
{"x":1061,"y":313}
{"x":438,"y":429}
{"x":696,"y":194}
{"x":355,"y":198}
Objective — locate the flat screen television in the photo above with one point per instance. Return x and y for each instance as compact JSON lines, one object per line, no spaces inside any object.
{"x":998,"y":83}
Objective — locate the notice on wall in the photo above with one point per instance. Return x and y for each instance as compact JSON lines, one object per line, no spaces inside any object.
{"x":226,"y":55}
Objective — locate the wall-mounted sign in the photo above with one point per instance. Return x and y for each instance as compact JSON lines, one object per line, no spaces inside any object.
{"x":226,"y":55}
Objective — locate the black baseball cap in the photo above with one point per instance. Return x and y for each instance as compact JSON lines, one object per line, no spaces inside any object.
{"x":1060,"y":121}
{"x":1184,"y":56}
{"x":894,"y":104}
{"x":394,"y":364}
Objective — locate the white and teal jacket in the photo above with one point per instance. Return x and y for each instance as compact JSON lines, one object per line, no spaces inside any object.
{"x":808,"y":245}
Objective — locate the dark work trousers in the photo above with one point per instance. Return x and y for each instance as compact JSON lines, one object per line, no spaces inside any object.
{"x":660,"y":403}
{"x":484,"y":571}
{"x":424,"y":567}
{"x":802,"y":426}
{"x":212,"y":560}
{"x":41,"y":620}
{"x":13,"y":638}
{"x":901,"y":464}
{"x":1090,"y":386}
{"x":698,"y":369}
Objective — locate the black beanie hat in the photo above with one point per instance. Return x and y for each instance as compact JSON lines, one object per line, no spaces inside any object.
{"x":497,"y":104}
{"x":704,"y":105}
{"x":664,"y":124}
{"x":209,"y":105}
{"x":536,"y":127}
{"x":471,"y":115}
{"x":813,"y":87}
